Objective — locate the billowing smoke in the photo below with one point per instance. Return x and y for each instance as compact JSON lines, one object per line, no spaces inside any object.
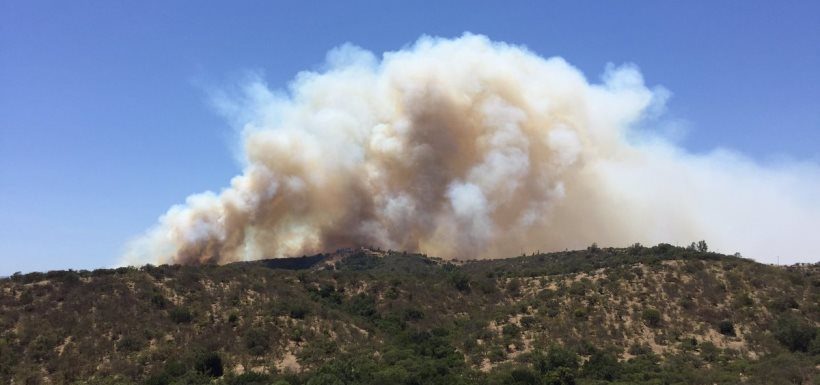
{"x":467,"y":148}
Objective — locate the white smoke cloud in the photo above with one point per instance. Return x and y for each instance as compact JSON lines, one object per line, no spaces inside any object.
{"x":466,"y":148}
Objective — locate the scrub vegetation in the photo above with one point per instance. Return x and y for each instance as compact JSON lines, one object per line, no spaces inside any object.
{"x":637,"y":315}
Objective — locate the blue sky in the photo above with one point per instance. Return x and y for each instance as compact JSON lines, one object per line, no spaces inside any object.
{"x":105,"y":120}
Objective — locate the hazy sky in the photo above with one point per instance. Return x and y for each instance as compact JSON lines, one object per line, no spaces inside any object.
{"x":105,"y":119}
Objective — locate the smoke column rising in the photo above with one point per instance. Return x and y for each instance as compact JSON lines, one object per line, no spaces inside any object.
{"x":468,"y":148}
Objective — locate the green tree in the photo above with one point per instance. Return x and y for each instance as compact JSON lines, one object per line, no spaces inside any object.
{"x":257,"y":341}
{"x":209,"y":364}
{"x":557,"y":357}
{"x":652,"y":317}
{"x":602,"y":365}
{"x":794,"y":333}
{"x":727,"y":328}
{"x":460,"y":281}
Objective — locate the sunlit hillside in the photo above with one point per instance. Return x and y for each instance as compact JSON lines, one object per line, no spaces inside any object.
{"x":659,"y":315}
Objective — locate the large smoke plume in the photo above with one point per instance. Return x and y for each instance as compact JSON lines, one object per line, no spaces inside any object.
{"x":467,"y":148}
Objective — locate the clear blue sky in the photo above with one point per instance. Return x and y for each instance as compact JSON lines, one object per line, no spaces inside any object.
{"x":104,"y":121}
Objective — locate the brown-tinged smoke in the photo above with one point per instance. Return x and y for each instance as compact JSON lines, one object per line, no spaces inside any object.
{"x":466,"y":148}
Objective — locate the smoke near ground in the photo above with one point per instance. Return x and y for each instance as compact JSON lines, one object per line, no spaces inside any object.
{"x":468,"y":148}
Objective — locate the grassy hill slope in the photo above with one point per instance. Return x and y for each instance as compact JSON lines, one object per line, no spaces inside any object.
{"x":659,"y":315}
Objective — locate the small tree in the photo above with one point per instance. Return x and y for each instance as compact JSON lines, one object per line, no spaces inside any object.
{"x":602,"y":366}
{"x":726,"y":328}
{"x":460,"y":281}
{"x":794,"y":333}
{"x":210,"y":364}
{"x":709,"y":352}
{"x":511,"y":331}
{"x":702,"y":247}
{"x":257,"y":341}
{"x":557,"y":357}
{"x":652,"y":317}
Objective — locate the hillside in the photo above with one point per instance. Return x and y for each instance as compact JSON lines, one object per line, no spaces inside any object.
{"x":659,"y":315}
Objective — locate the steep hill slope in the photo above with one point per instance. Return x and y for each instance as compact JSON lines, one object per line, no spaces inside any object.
{"x":360,"y":316}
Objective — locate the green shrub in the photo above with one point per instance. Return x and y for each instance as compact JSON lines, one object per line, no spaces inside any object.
{"x":602,"y":366}
{"x":363,"y":305}
{"x":689,"y":344}
{"x":814,"y":345}
{"x":708,"y":351}
{"x":130,"y":343}
{"x":157,"y":379}
{"x":577,"y":289}
{"x":520,"y":376}
{"x":511,"y":331}
{"x":42,"y":347}
{"x":782,"y":304}
{"x":785,"y":369}
{"x":560,"y":376}
{"x":460,"y":281}
{"x":209,"y":364}
{"x":652,"y":317}
{"x":8,"y":358}
{"x":496,"y":354}
{"x":795,"y":334}
{"x":553,"y":308}
{"x":412,"y":314}
{"x":392,"y":293}
{"x":158,"y":300}
{"x":726,"y":328}
{"x":556,"y":357}
{"x":189,"y":378}
{"x":359,"y":262}
{"x":580,"y":313}
{"x":257,"y":341}
{"x":181,"y":315}
{"x":249,"y":378}
{"x":298,"y":312}
{"x":175,"y":368}
{"x":637,"y":349}
{"x":514,"y":287}
{"x":528,"y":321}
{"x":743,"y":301}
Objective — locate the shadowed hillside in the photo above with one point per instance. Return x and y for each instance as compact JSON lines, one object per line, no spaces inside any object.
{"x":659,"y":315}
